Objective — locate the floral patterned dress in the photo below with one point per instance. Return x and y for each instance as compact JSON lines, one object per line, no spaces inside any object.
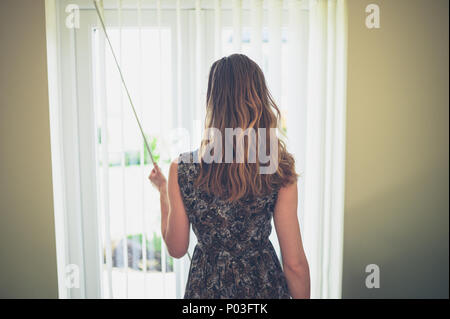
{"x":233,"y":257}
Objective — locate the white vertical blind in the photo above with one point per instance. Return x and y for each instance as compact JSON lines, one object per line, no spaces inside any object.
{"x":163,"y":246}
{"x":104,"y":154}
{"x":179,"y":267}
{"x":274,"y":12}
{"x":199,"y":58}
{"x":237,"y":25}
{"x":325,"y":147}
{"x":328,"y":146}
{"x":122,"y":132}
{"x":217,"y":29}
{"x":314,"y":175}
{"x":142,"y":150}
{"x":338,"y":165}
{"x":159,"y":19}
{"x":256,"y":15}
{"x":179,"y":61}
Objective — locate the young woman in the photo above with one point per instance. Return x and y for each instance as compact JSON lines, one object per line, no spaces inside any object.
{"x":231,"y":205}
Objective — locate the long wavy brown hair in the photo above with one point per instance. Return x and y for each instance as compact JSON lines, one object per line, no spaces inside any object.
{"x":238,"y":97}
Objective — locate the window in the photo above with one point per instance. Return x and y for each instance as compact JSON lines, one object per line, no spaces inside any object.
{"x":112,"y":210}
{"x":124,"y":193}
{"x":108,"y":215}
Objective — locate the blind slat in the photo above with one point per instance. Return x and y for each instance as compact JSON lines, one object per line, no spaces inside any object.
{"x":217,"y":29}
{"x":200,"y":110}
{"x":105,"y":156}
{"x":274,"y":12}
{"x":237,"y":25}
{"x":179,"y":98}
{"x":122,"y":132}
{"x":142,"y":157}
{"x":256,"y":12}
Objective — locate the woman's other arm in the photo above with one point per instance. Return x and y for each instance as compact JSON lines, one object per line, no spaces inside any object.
{"x":295,"y":265}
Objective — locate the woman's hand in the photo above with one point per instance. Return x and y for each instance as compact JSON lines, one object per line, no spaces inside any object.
{"x":157,"y":178}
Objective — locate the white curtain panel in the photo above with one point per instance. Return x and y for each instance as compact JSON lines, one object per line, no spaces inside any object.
{"x":325,"y":146}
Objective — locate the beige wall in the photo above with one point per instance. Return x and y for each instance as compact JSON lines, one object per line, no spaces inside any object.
{"x":397,"y":171}
{"x":27,"y":243}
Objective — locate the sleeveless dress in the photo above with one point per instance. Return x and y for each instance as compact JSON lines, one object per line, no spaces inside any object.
{"x":233,"y":258}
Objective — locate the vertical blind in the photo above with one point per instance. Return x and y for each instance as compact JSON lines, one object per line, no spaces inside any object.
{"x":299,"y":44}
{"x":325,"y":146}
{"x":184,"y":12}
